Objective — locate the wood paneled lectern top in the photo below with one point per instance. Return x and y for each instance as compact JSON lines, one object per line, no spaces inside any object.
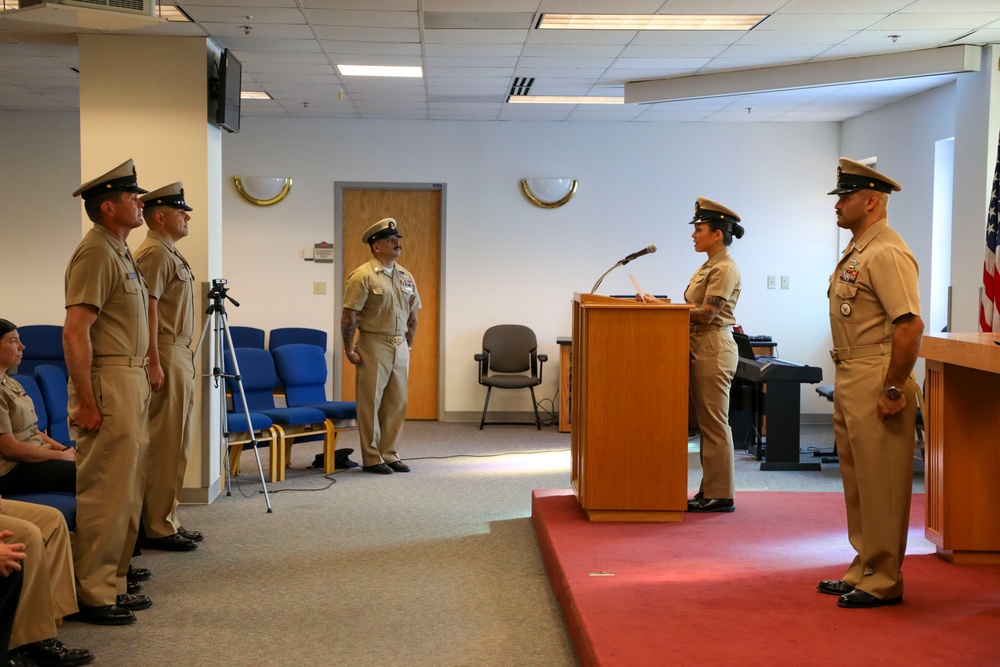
{"x":962,"y":466}
{"x":630,"y":408}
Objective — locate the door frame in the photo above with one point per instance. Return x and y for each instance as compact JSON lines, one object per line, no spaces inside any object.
{"x":337,"y":344}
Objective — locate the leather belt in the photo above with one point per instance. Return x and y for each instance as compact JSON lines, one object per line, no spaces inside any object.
{"x":839,"y":354}
{"x":140,"y":362}
{"x":701,"y":328}
{"x":393,"y":339}
{"x":170,"y":339}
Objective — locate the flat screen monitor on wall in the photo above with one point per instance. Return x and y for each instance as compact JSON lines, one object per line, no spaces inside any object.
{"x":227,"y":113}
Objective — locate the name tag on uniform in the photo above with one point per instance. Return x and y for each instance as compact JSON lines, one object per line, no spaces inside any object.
{"x":407,"y":284}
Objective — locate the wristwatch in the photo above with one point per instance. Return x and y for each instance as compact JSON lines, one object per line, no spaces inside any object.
{"x":893,"y":393}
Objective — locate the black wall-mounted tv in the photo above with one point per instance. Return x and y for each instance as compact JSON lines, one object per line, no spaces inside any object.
{"x":227,"y":111}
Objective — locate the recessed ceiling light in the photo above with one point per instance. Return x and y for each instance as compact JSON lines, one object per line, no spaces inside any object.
{"x":380,"y":70}
{"x":254,"y":95}
{"x":650,"y":21}
{"x":563,"y":99}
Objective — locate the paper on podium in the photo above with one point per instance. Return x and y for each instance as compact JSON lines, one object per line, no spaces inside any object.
{"x":638,"y":287}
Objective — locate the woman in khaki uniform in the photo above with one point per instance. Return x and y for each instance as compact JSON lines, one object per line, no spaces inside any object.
{"x":714,"y":289}
{"x":30,"y":461}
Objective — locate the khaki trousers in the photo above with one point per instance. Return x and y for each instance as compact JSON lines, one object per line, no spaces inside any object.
{"x":110,"y":474}
{"x":876,"y":464}
{"x":48,"y":591}
{"x":713,"y":365}
{"x":170,"y":431}
{"x":381,"y":393}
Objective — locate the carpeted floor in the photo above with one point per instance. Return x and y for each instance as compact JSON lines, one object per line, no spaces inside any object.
{"x":740,"y":589}
{"x":440,"y":567}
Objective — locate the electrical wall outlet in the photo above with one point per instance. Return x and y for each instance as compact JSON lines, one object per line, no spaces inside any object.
{"x":319,"y":288}
{"x":770,"y":282}
{"x":784,"y":282}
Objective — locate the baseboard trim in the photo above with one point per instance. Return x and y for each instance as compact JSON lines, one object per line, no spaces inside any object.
{"x":201,"y":496}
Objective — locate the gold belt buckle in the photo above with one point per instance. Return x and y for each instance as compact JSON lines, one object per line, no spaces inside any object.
{"x":833,"y":355}
{"x":395,"y":340}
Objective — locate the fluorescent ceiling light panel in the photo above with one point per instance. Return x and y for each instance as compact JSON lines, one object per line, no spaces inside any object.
{"x":650,"y":21}
{"x":563,"y":99}
{"x":380,"y":70}
{"x":254,"y":95}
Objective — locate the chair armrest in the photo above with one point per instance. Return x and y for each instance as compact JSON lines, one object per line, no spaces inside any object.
{"x":543,"y":357}
{"x":484,"y":365}
{"x":480,"y":357}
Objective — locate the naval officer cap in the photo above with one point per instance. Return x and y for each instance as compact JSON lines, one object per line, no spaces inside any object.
{"x":853,"y":176}
{"x":706,"y":210}
{"x":120,"y":179}
{"x":168,"y":195}
{"x":382,"y":229}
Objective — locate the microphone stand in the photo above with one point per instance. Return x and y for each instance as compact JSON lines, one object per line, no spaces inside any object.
{"x":598,"y":283}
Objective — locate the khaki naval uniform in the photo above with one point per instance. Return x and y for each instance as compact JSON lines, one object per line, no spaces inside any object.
{"x":875,"y":283}
{"x":110,"y":462}
{"x":384,"y":303}
{"x":48,"y":592}
{"x":713,"y":365}
{"x":18,"y":417}
{"x":171,"y":283}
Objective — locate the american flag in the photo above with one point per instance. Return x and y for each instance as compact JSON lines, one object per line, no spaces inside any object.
{"x":989,"y":308}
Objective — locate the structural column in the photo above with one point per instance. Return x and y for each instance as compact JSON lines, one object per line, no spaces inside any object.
{"x":146,"y":98}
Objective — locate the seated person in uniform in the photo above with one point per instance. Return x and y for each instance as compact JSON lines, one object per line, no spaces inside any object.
{"x":48,"y":590}
{"x":30,"y":461}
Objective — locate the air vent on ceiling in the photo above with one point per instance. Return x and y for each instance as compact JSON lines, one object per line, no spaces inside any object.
{"x":521,"y":86}
{"x":144,"y":7}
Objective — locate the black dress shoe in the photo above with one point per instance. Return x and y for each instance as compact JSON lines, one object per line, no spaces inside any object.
{"x":834,"y":587}
{"x":193,"y":535}
{"x":378,"y":468}
{"x":713,"y":505}
{"x":133,"y":602}
{"x":133,"y":587}
{"x":858,"y":599}
{"x":109,"y":614}
{"x":53,"y":653}
{"x":174,"y":542}
{"x":139,"y":573}
{"x":398,"y":466}
{"x":15,"y":659}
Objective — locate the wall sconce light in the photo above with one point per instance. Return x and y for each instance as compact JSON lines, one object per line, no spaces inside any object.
{"x":548,"y":192}
{"x":262,"y":190}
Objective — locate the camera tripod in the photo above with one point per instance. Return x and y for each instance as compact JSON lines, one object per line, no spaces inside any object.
{"x":218,"y":322}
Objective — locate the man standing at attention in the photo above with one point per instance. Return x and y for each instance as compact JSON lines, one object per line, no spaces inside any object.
{"x":876,"y":326}
{"x":381,"y":303}
{"x":105,"y":339}
{"x":171,"y":366}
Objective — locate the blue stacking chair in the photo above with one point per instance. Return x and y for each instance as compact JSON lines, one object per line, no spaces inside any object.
{"x":55,"y":396}
{"x":240,"y":436}
{"x":258,"y":378}
{"x":247,"y":337}
{"x":302,"y":369}
{"x":292,"y":335}
{"x":42,"y":345}
{"x":63,"y":501}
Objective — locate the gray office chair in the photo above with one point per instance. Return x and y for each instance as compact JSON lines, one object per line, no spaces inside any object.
{"x":510,"y":360}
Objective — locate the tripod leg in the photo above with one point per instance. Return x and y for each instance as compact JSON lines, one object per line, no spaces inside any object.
{"x":243,"y":402}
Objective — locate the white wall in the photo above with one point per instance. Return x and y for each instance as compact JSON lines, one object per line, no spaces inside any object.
{"x":507,"y":261}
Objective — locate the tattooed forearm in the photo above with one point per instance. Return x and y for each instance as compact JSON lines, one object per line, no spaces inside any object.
{"x":708,"y":310}
{"x":411,"y":328}
{"x":348,"y":326}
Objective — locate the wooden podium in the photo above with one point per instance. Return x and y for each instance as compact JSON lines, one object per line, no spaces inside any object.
{"x":962,"y":462}
{"x":630,"y":408}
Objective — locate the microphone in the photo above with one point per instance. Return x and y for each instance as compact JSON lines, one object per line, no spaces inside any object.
{"x":639,"y":253}
{"x":645,"y":251}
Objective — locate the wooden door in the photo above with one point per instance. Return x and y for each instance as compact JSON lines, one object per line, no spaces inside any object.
{"x":418,"y":214}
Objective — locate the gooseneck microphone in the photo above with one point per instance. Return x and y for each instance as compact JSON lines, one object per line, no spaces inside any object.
{"x":628,"y":258}
{"x":645,"y":251}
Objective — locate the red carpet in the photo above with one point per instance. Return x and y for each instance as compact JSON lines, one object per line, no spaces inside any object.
{"x":740,"y":589}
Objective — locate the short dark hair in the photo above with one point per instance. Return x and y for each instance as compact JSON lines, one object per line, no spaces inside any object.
{"x":93,"y":205}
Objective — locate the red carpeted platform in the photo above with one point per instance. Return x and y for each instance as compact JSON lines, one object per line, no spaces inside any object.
{"x":740,"y":589}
